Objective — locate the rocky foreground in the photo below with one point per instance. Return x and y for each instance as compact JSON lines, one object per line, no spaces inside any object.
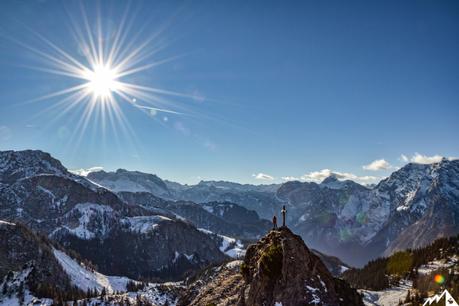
{"x":278,"y":270}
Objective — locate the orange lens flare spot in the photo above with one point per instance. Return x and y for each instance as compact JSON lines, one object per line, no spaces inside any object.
{"x":439,"y":279}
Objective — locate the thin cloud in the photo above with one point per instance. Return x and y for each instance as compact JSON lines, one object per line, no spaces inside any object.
{"x":404,"y":158}
{"x":379,"y":164}
{"x":85,"y":172}
{"x":263,"y":176}
{"x":290,"y":178}
{"x":319,"y":176}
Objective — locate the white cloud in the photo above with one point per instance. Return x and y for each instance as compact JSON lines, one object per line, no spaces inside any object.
{"x":319,"y":176}
{"x":85,"y":172}
{"x":263,"y":176}
{"x":424,"y":159}
{"x":379,"y":164}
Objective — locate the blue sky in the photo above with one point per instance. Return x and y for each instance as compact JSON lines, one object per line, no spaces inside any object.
{"x":268,"y":89}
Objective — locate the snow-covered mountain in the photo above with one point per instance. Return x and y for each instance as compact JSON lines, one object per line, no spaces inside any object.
{"x":35,"y":271}
{"x":260,"y":198}
{"x":415,"y":205}
{"x":120,"y":238}
{"x":133,"y":181}
{"x":220,"y":217}
{"x":409,"y":209}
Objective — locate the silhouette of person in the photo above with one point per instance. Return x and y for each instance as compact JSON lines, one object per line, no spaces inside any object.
{"x":274,"y":222}
{"x":284,"y":211}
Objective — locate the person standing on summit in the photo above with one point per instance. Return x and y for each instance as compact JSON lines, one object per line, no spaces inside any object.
{"x":284,"y":211}
{"x":274,"y":222}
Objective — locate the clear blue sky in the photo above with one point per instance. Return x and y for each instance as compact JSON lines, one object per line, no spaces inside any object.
{"x":279,"y":88}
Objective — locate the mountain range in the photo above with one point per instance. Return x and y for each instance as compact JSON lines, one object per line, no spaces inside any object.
{"x":412,"y":207}
{"x":86,"y":230}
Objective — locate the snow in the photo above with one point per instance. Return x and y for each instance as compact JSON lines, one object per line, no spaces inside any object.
{"x":144,"y":224}
{"x":437,"y":264}
{"x":13,"y":287}
{"x":390,"y":296}
{"x":315,"y":298}
{"x":205,"y":231}
{"x":188,"y":257}
{"x":322,"y":283}
{"x":6,"y":223}
{"x":29,"y":299}
{"x":208,"y":208}
{"x":234,"y":264}
{"x":229,"y":246}
{"x":87,"y":211}
{"x":85,"y":279}
{"x":159,"y":297}
{"x":343,"y":269}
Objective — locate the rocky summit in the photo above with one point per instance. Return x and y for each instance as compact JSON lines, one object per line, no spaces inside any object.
{"x":277,"y":270}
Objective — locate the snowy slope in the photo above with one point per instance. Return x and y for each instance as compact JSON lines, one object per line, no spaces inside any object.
{"x":230,"y":246}
{"x":144,"y":224}
{"x":388,"y":297}
{"x":85,"y":279}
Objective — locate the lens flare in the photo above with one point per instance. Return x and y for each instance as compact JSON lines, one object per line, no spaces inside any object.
{"x":104,"y":75}
{"x":439,"y":279}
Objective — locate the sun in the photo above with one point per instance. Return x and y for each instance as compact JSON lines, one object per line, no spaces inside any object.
{"x":102,"y":81}
{"x":106,"y":69}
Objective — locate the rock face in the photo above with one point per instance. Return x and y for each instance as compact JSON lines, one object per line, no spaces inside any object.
{"x":281,"y":269}
{"x":220,"y":285}
{"x":278,"y":270}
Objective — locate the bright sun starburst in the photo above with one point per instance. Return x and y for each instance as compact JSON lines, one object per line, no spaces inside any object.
{"x":106,"y":59}
{"x":102,"y":81}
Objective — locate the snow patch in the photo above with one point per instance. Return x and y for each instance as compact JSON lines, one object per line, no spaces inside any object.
{"x":390,"y":296}
{"x":6,"y":223}
{"x":85,"y":279}
{"x":87,"y":211}
{"x":144,"y":224}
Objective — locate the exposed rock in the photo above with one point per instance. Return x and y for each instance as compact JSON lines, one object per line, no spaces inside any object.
{"x":277,"y":269}
{"x":280,"y":268}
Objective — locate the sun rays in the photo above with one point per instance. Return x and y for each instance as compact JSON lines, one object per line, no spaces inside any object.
{"x":102,"y":71}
